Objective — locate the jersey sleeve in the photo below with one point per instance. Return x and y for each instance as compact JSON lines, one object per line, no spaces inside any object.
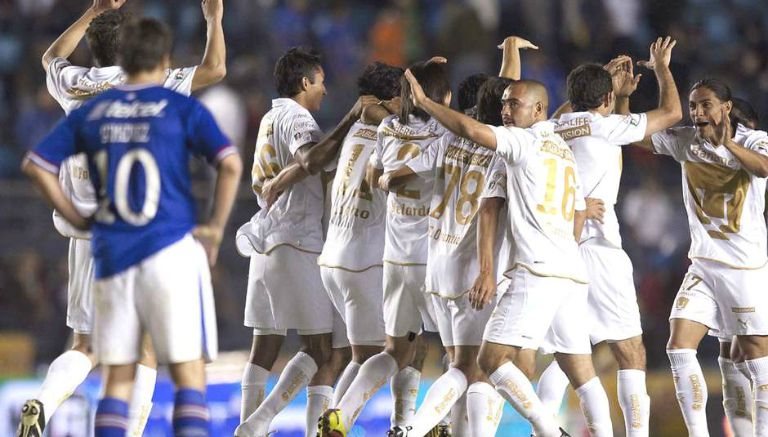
{"x":623,"y":129}
{"x":496,"y":184}
{"x":511,"y":143}
{"x":57,"y":146}
{"x":672,"y":141}
{"x":580,"y":203}
{"x":205,"y":138}
{"x":180,"y":79}
{"x":61,"y":76}
{"x":426,"y":161}
{"x":758,"y":142}
{"x":304,"y":130}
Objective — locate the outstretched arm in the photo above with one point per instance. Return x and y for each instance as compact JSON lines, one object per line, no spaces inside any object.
{"x":213,"y":67}
{"x":669,"y":111}
{"x":510,"y":60}
{"x":456,"y":122}
{"x":67,"y":42}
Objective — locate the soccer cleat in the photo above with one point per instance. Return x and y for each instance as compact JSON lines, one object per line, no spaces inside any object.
{"x":563,"y":433}
{"x":399,"y":431}
{"x":32,"y":421}
{"x":330,"y":424}
{"x":440,"y":430}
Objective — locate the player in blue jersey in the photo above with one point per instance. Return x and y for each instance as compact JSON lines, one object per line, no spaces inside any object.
{"x":150,"y":264}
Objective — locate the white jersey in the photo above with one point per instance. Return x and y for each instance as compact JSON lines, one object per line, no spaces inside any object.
{"x":460,"y":169}
{"x":724,"y":202}
{"x":408,"y":207}
{"x":71,"y":86}
{"x":496,"y":186}
{"x":295,"y":219}
{"x":355,"y":239}
{"x":544,"y":193}
{"x":595,"y":141}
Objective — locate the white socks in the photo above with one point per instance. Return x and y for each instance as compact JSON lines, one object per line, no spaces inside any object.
{"x":737,"y":397}
{"x":512,"y":384}
{"x":443,"y":393}
{"x":634,"y":401}
{"x":373,"y":374}
{"x":551,"y":388}
{"x":691,"y":390}
{"x":405,"y":389}
{"x":758,"y":369}
{"x":484,"y":408}
{"x":318,"y":401}
{"x":458,"y":417}
{"x":141,"y":400}
{"x":345,"y":380}
{"x":253,"y":386}
{"x":296,"y":375}
{"x":594,"y":405}
{"x":65,"y":373}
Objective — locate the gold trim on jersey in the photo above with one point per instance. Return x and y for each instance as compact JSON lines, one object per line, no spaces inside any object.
{"x":404,"y":136}
{"x":272,"y":249}
{"x":544,"y":275}
{"x":397,"y":263}
{"x":717,"y":192}
{"x":437,"y":293}
{"x":85,"y":94}
{"x":731,"y":266}
{"x":328,"y":266}
{"x":366,"y":134}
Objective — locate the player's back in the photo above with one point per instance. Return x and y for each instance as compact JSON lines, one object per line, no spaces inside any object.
{"x":138,"y":140}
{"x":408,"y":206}
{"x":295,"y":218}
{"x":356,"y":227}
{"x":595,"y":140}
{"x":543,"y":194}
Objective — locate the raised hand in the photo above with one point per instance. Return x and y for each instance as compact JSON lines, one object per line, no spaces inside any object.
{"x":660,"y":53}
{"x":437,"y":60}
{"x":623,"y":76}
{"x":100,"y":6}
{"x":361,"y":103}
{"x":212,"y":9}
{"x":518,"y":43}
{"x":417,"y":92}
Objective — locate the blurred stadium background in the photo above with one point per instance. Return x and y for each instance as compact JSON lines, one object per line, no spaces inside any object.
{"x":723,"y":38}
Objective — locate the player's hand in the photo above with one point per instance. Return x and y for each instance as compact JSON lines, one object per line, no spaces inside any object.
{"x":100,"y":6}
{"x":483,"y":291}
{"x":79,"y":222}
{"x":384,"y":181}
{"x":270,"y":192}
{"x":212,"y":9}
{"x":623,"y":76}
{"x":437,"y":60}
{"x":721,"y":133}
{"x":660,"y":53}
{"x":210,"y":237}
{"x":360,"y":104}
{"x":515,"y":42}
{"x":595,"y":209}
{"x":417,"y":93}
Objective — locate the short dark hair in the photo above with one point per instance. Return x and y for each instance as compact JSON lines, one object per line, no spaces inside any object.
{"x":380,"y":80}
{"x":587,"y":86}
{"x":294,"y":65}
{"x":103,"y":36}
{"x":433,"y":78}
{"x":144,"y":45}
{"x":489,"y":100}
{"x":468,"y":89}
{"x":743,"y":113}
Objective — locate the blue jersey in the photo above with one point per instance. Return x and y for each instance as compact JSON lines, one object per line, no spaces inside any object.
{"x":138,"y":140}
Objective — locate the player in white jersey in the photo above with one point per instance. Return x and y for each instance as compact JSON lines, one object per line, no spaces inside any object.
{"x":548,"y":291}
{"x":595,"y":135}
{"x":71,"y":86}
{"x":723,"y":176}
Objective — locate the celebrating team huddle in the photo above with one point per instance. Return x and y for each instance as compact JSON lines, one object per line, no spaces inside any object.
{"x":494,"y":227}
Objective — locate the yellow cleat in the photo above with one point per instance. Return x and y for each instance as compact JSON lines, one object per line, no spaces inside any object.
{"x":32,"y":419}
{"x":331,"y":424}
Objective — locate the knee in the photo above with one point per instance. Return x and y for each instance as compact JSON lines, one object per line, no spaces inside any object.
{"x":528,"y":367}
{"x":320,"y":352}
{"x":632,"y":356}
{"x":680,"y":343}
{"x":487,"y":362}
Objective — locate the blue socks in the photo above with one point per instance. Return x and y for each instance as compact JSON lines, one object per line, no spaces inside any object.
{"x":111,"y":418}
{"x":190,"y":414}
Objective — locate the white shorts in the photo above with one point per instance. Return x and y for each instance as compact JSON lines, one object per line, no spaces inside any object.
{"x":285,"y":292}
{"x":541,"y":311}
{"x":459,"y":323}
{"x":613,"y":311}
{"x":728,"y":301}
{"x":407,"y":307}
{"x":169,"y":296}
{"x":358,"y":298}
{"x":80,"y":287}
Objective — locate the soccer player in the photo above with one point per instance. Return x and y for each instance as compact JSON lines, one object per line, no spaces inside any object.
{"x":150,"y":268}
{"x":548,"y":291}
{"x":71,"y":86}
{"x":724,"y":167}
{"x":595,"y":133}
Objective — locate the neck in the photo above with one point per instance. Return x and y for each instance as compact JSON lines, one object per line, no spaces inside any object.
{"x":301,"y":99}
{"x":154,"y":77}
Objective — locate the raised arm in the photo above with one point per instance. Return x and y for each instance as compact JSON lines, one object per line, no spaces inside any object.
{"x":456,"y":122}
{"x":624,"y":82}
{"x":669,"y":111}
{"x":213,"y":67}
{"x":67,"y":42}
{"x":510,"y":59}
{"x":487,"y":222}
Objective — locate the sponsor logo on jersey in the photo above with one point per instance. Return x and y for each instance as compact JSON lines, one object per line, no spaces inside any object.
{"x":119,"y":109}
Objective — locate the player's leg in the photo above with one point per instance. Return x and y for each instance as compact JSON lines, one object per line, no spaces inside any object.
{"x":143,"y":389}
{"x":190,"y":411}
{"x":360,"y":354}
{"x":551,"y":388}
{"x":112,"y":412}
{"x":633,"y":396}
{"x":320,"y":388}
{"x":755,"y":349}
{"x":737,"y":389}
{"x":592,"y":396}
{"x":404,"y":385}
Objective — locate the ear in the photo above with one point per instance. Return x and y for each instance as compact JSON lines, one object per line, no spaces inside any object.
{"x":609,"y":99}
{"x":305,"y":83}
{"x":728,"y":106}
{"x":538,"y":108}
